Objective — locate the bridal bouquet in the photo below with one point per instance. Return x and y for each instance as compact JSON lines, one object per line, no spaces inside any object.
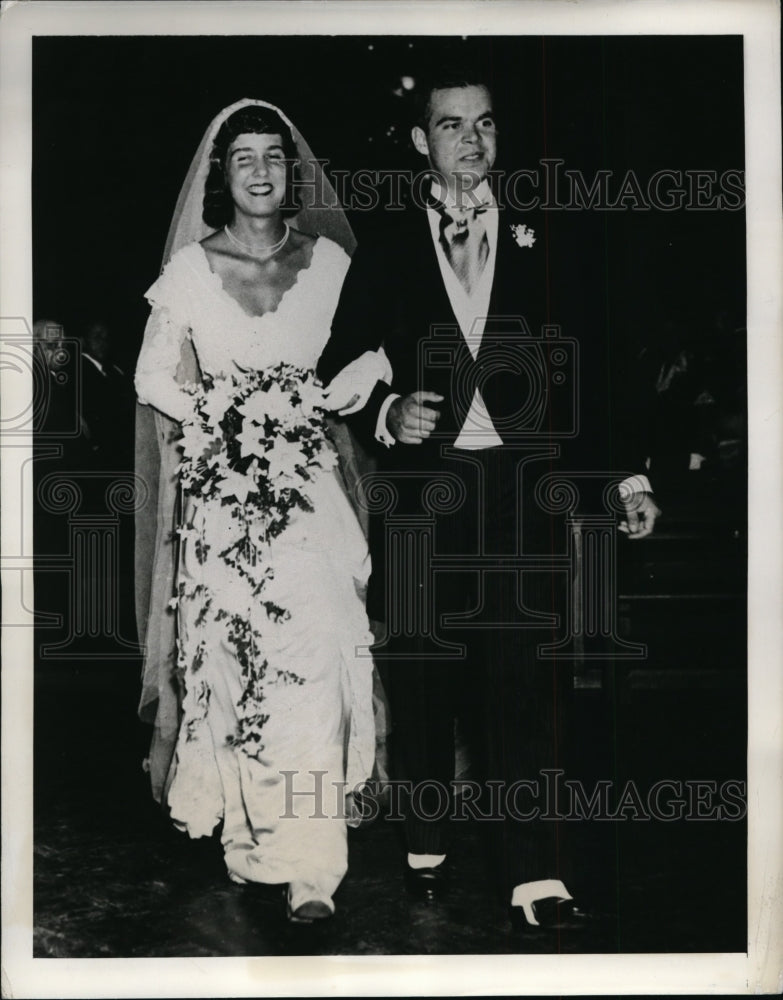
{"x":255,"y":441}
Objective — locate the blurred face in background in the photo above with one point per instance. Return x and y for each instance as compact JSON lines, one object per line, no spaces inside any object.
{"x":98,"y":342}
{"x":48,"y":336}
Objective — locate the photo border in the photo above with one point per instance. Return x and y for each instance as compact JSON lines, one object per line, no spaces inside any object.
{"x":758,"y":970}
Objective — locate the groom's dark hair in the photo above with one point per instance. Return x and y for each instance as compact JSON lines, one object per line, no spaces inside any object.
{"x":445,"y":78}
{"x":218,"y":207}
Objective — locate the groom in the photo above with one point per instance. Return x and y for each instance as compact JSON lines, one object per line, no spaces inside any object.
{"x":495,"y":391}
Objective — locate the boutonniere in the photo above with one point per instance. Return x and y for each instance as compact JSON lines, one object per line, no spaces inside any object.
{"x":524,"y":235}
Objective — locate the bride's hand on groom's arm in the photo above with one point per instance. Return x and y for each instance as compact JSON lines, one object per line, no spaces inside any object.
{"x":410,"y":420}
{"x":350,"y":389}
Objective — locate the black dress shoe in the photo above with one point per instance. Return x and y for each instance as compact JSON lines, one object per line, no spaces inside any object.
{"x":552,"y":914}
{"x":426,"y":883}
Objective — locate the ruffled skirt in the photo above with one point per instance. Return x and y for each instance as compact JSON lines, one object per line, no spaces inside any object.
{"x":282,"y":806}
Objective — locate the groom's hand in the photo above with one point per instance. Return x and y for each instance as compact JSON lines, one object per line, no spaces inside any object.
{"x":641,"y":512}
{"x":410,"y":420}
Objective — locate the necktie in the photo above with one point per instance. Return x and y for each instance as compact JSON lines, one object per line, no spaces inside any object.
{"x":464,"y":241}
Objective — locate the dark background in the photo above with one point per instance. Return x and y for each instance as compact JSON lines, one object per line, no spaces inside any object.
{"x":117,"y":120}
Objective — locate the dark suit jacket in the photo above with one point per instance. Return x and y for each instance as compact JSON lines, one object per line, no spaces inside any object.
{"x":565,"y":386}
{"x":550,"y":375}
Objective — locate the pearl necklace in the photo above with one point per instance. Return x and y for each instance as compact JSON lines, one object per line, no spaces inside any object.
{"x":254,"y":251}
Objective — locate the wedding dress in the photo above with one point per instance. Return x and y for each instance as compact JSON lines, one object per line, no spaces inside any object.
{"x":283,"y":809}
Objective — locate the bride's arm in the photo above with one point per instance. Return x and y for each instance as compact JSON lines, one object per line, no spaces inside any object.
{"x":350,"y":389}
{"x":156,"y":370}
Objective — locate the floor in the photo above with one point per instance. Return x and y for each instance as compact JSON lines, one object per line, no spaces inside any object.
{"x":112,"y":879}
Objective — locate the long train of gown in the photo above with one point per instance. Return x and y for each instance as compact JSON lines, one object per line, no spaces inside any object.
{"x":283,"y":813}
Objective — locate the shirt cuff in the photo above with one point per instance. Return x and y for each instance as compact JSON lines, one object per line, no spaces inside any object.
{"x":381,"y":430}
{"x":636,"y":484}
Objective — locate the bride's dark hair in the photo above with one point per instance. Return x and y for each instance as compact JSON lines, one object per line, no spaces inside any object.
{"x":218,"y":207}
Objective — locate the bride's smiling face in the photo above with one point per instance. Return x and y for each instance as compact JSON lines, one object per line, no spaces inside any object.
{"x":256,"y":172}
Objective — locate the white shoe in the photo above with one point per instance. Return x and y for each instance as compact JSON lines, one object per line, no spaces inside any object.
{"x":304,"y":904}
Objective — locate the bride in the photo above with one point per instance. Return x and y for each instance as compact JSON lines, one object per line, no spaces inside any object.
{"x":263,"y":713}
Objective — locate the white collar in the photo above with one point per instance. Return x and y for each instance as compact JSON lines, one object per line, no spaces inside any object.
{"x":482,"y":192}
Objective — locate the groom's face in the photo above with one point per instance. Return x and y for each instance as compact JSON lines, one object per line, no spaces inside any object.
{"x":460,"y":138}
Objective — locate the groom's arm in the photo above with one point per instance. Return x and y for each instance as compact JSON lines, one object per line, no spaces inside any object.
{"x":362,"y":322}
{"x":612,"y":424}
{"x":359,"y":320}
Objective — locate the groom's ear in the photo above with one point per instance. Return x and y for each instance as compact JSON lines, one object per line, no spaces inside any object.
{"x":419,"y":137}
